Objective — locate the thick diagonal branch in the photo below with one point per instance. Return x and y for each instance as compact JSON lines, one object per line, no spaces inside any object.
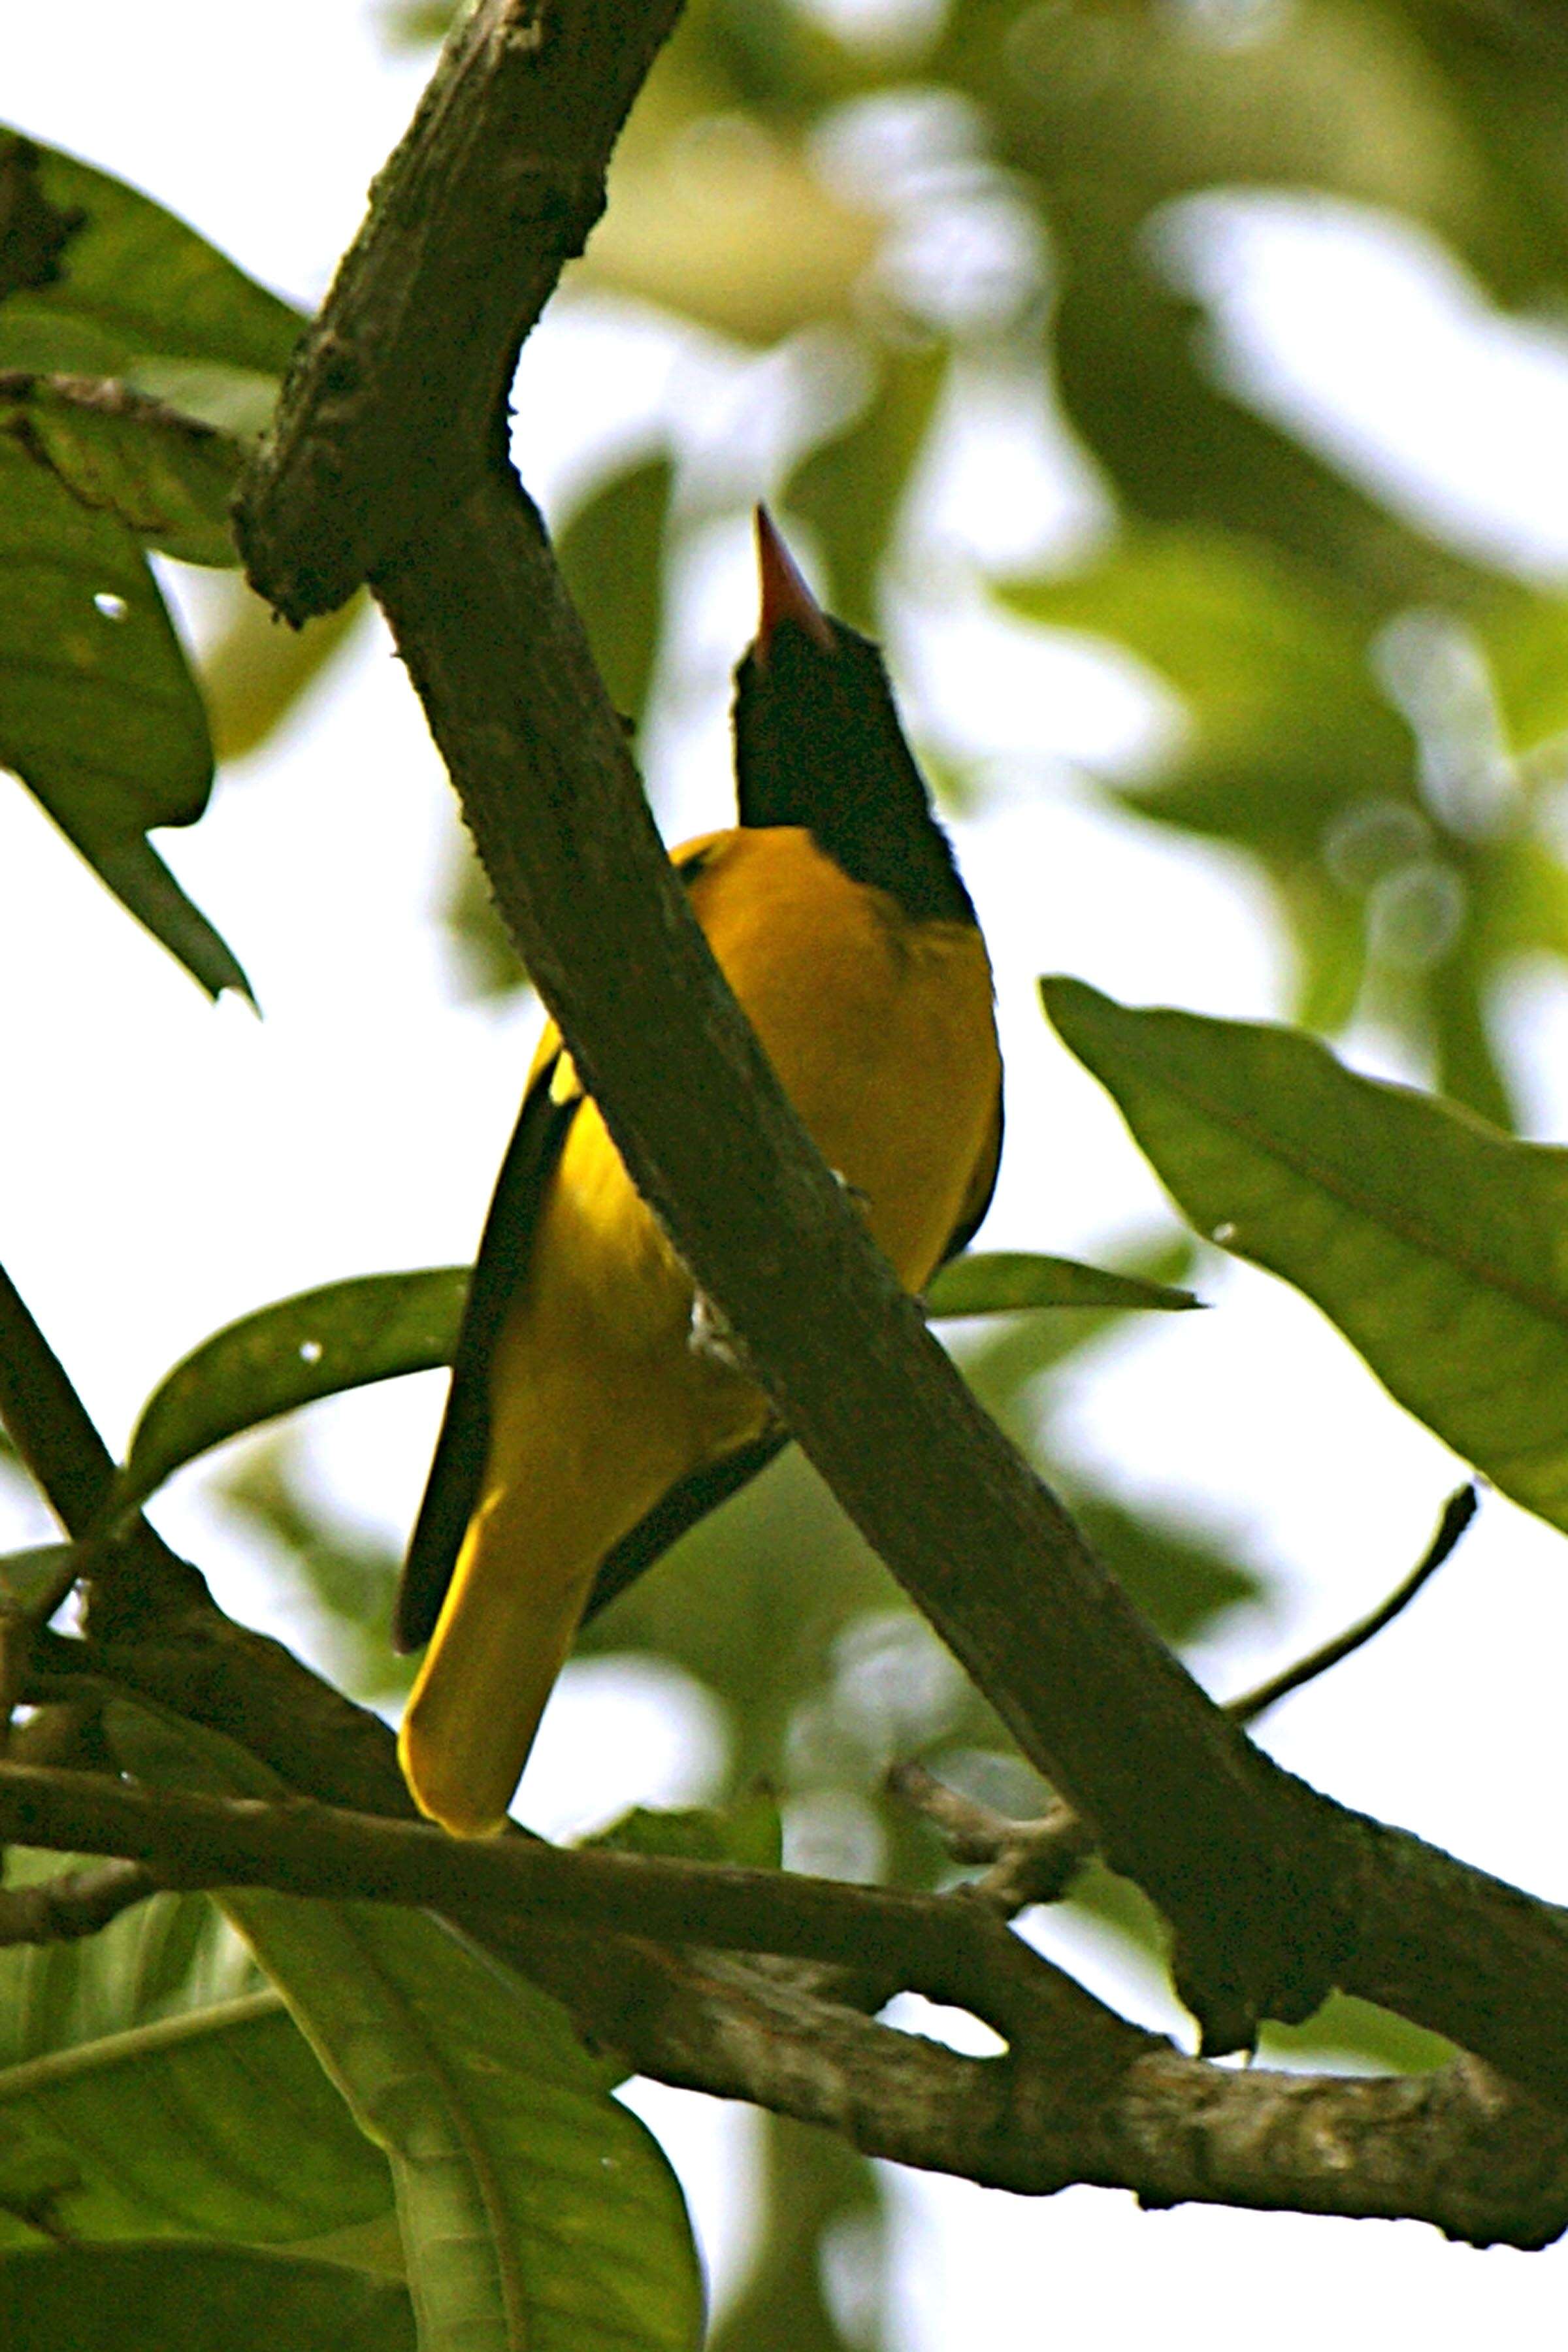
{"x":1273,"y":1895}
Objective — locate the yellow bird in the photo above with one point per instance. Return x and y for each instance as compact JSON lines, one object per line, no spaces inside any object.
{"x":593,"y":1416}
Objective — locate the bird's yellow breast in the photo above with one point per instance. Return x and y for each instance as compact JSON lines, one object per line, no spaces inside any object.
{"x":880,"y":1028}
{"x":882,"y":1035}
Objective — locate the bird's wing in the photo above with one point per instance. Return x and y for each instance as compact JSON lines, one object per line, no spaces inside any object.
{"x":982,"y":1185}
{"x":706,"y":1489}
{"x":670,"y":1519}
{"x":452,"y":1488}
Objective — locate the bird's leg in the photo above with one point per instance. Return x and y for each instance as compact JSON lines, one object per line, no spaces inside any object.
{"x":711,"y":1337}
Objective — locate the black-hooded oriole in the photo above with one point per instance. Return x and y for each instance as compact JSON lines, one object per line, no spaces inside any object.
{"x":588,"y":1425}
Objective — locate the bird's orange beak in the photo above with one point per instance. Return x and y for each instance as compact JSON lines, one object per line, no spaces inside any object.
{"x":786,"y":596}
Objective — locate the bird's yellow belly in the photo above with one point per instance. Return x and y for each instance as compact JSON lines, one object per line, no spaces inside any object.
{"x":881,"y":1034}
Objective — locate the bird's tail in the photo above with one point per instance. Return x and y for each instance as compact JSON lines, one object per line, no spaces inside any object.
{"x":501,"y":1641}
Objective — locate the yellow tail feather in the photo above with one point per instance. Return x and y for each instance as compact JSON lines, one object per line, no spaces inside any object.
{"x":501,"y":1641}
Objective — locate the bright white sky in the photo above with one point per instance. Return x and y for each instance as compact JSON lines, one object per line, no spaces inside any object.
{"x":172,"y":1165}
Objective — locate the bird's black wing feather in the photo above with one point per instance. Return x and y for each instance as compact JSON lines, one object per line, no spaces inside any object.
{"x":705,"y":1489}
{"x":681,"y":1508}
{"x":980,"y":1193}
{"x":452,"y":1488}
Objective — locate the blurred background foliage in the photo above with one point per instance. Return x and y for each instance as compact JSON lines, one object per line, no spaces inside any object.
{"x":927,"y":215}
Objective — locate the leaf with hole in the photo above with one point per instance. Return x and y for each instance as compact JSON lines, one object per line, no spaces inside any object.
{"x":316,"y":1344}
{"x":98,"y":714}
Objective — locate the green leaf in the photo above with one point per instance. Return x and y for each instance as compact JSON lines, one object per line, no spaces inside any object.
{"x":611,"y":552}
{"x":999,"y":1282}
{"x":147,"y":2298}
{"x":1348,"y":2029}
{"x":1287,"y":727}
{"x":167,"y":478}
{"x":538,"y":2215}
{"x":1435,"y":1243}
{"x":27,"y":1578}
{"x":313,"y":1345}
{"x":98,"y":714}
{"x":256,"y":673}
{"x":535,"y":2210}
{"x":148,"y":2090}
{"x":749,"y":1831}
{"x":851,"y":486}
{"x":1178,"y":1577}
{"x":138,"y":294}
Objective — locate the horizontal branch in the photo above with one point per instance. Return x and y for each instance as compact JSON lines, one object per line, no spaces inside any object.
{"x":1458,"y":2149}
{"x":951,"y":1949}
{"x":1090,"y":2099}
{"x":1083,"y":2097}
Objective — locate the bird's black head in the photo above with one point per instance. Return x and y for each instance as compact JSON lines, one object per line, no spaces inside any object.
{"x":817,"y":743}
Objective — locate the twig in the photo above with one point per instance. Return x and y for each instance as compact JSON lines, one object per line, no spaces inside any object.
{"x":75,"y":1903}
{"x":1458,"y":1512}
{"x":1031,"y":1861}
{"x":1037,"y":1861}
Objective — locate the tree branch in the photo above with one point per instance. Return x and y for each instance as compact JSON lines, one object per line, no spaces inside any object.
{"x":953,"y":1950}
{"x":1457,"y":2150}
{"x":1458,"y":1512}
{"x":397,"y":397}
{"x":1083,"y":2096}
{"x":1273,"y":1894}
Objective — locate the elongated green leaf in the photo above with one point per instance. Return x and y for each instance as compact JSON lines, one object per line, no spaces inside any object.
{"x":1435,"y":1243}
{"x":999,"y":1282}
{"x":536,"y":2211}
{"x":208,"y":2298}
{"x":851,"y":487}
{"x":98,"y":714}
{"x":1287,"y":726}
{"x":538,"y":2215}
{"x":376,"y":1326}
{"x":135,"y":293}
{"x":312,"y":1344}
{"x":96,"y":710}
{"x":167,"y":478}
{"x":612,"y":557}
{"x":149,"y":2090}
